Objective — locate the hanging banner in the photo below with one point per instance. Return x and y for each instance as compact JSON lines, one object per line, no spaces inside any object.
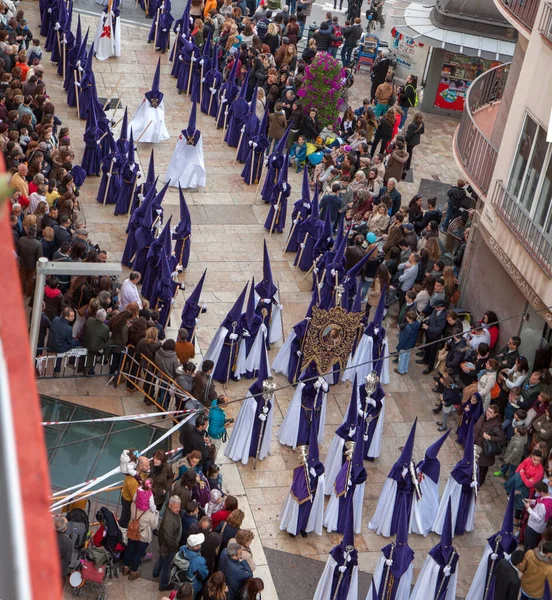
{"x":411,"y":56}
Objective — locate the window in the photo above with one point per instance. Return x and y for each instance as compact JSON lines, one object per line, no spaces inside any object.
{"x":531,"y":176}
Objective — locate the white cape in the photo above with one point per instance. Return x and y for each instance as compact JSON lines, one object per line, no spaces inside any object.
{"x":375,"y":445}
{"x":334,"y":462}
{"x":361,"y":363}
{"x":453,"y":490}
{"x":239,"y":441}
{"x":332,"y":511}
{"x":289,"y":429}
{"x":107,"y":46}
{"x":403,"y":589}
{"x":324,"y":587}
{"x":290,"y":512}
{"x":187,"y":165}
{"x":252,"y":362}
{"x":281,"y":362}
{"x":381,"y":521}
{"x":216,"y":345}
{"x":424,"y":510}
{"x":426,"y":585}
{"x":479,"y":582}
{"x":146,"y":113}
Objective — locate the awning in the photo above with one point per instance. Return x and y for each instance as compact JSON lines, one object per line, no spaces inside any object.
{"x":414,"y":21}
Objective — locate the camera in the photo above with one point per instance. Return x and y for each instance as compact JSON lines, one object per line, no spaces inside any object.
{"x":229,"y":421}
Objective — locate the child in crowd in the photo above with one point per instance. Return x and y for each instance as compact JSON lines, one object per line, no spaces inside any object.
{"x":128,"y":461}
{"x":298,"y":154}
{"x":450,"y":398}
{"x":24,"y":137}
{"x":214,"y":477}
{"x":514,"y":452}
{"x":144,"y":497}
{"x":514,"y":401}
{"x":34,"y":51}
{"x":155,"y":319}
{"x":358,"y":227}
{"x":216,"y":503}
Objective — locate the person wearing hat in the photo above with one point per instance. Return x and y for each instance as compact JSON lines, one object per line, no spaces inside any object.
{"x":281,"y":52}
{"x":409,"y":235}
{"x":197,"y":571}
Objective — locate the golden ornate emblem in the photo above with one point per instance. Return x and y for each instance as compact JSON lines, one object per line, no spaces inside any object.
{"x":154,"y":102}
{"x":330,"y":338}
{"x":191,"y":140}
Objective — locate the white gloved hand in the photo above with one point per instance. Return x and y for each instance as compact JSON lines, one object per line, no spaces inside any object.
{"x":213,"y":90}
{"x":267,"y":300}
{"x":333,"y":271}
{"x":306,"y":204}
{"x":203,"y":80}
{"x":299,"y":353}
{"x":473,"y":484}
{"x":262,"y":417}
{"x":312,"y":471}
{"x":255,"y":145}
{"x":246,"y":333}
{"x":295,"y":221}
{"x":233,"y":336}
{"x":302,"y":245}
{"x":389,"y":562}
{"x":315,"y":270}
{"x":494,"y":556}
{"x":280,"y":306}
{"x":196,"y":321}
{"x":446,"y":571}
{"x":372,"y":402}
{"x":342,"y":569}
{"x":265,"y":410}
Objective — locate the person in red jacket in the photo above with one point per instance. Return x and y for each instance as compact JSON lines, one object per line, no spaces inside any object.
{"x":529,"y":472}
{"x":230,"y":504}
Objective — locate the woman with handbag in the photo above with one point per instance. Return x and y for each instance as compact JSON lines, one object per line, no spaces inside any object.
{"x":529,"y":472}
{"x":412,"y":137}
{"x":488,"y":435}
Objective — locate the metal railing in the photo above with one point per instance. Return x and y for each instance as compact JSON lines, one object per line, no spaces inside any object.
{"x":519,"y":221}
{"x":77,"y":362}
{"x":523,"y":11}
{"x":545,"y":25}
{"x":475,"y":151}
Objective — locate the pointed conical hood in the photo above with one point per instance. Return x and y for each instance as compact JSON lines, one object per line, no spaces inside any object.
{"x":447,"y":534}
{"x":150,"y":179}
{"x":164,"y":239}
{"x":353,"y":272}
{"x":433,"y":450}
{"x":315,"y":208}
{"x":263,"y":127}
{"x":357,"y":304}
{"x":375,"y":594}
{"x":235,"y":312}
{"x":251,"y":304}
{"x":358,"y":453}
{"x":113,"y":148}
{"x":191,"y":130}
{"x":266,"y":288}
{"x":185,"y":218}
{"x":253,"y":101}
{"x":380,"y":310}
{"x":305,"y":189}
{"x":82,"y":50}
{"x":194,"y":297}
{"x":166,"y":274}
{"x":206,"y":51}
{"x":352,"y":412}
{"x":263,"y":372}
{"x":243,"y":89}
{"x":160,"y":196}
{"x":339,"y":252}
{"x":233,"y":70}
{"x":78,"y":35}
{"x":508,"y":520}
{"x":145,"y":206}
{"x":406,"y":455}
{"x":314,"y":455}
{"x":283,"y":174}
{"x":130,"y":157}
{"x":186,"y":19}
{"x":123,"y":136}
{"x":154,"y":96}
{"x":349,"y":533}
{"x":327,"y":231}
{"x":504,"y":541}
{"x":91,"y":120}
{"x":464,"y":467}
{"x":89,"y":57}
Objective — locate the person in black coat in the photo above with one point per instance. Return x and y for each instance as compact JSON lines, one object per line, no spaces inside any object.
{"x":310,"y":127}
{"x":507,"y":580}
{"x":194,"y":437}
{"x":323,"y":37}
{"x":379,"y":72}
{"x":456,"y":196}
{"x":431,"y":214}
{"x":433,"y":328}
{"x":412,"y":138}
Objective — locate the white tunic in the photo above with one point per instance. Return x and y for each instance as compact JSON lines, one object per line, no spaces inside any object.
{"x":426,"y":585}
{"x":146,"y":113}
{"x":361,"y":362}
{"x":403,"y":589}
{"x":187,"y":165}
{"x":453,"y":490}
{"x":332,"y":511}
{"x":324,"y":587}
{"x":107,"y":41}
{"x":381,"y":521}
{"x":424,"y":510}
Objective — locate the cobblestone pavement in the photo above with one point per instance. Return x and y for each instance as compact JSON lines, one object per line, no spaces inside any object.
{"x":227,"y":239}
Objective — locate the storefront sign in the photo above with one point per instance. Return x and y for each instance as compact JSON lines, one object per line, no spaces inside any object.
{"x":411,"y":56}
{"x":519,"y":280}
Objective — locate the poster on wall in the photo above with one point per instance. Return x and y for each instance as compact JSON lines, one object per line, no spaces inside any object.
{"x":457,"y":74}
{"x":411,"y":56}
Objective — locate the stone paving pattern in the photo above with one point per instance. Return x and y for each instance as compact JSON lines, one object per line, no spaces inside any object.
{"x":227,"y":239}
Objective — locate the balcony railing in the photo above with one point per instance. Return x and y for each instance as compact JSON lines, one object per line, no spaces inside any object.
{"x":475,"y":151}
{"x":519,"y":221}
{"x":524,"y":11}
{"x":545,"y":25}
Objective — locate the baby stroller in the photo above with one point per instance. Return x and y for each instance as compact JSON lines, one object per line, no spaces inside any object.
{"x":95,"y":565}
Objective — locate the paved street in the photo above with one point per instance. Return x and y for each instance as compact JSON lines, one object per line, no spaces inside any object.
{"x":227,"y":239}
